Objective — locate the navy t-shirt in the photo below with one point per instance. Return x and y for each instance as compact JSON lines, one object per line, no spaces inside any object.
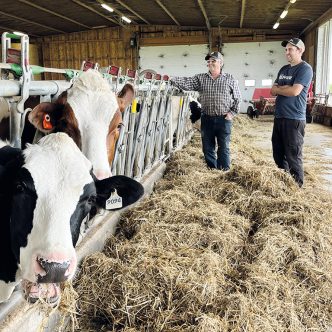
{"x":293,"y":107}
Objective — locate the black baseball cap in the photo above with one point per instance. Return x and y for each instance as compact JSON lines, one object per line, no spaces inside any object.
{"x":294,"y":41}
{"x":214,"y":55}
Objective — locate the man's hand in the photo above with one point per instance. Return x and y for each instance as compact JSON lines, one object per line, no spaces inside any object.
{"x":229,"y":116}
{"x":274,"y":90}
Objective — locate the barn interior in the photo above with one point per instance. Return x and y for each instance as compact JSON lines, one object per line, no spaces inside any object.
{"x":282,"y":259}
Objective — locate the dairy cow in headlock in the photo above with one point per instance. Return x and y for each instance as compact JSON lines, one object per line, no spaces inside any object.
{"x":45,"y":193}
{"x":85,"y":112}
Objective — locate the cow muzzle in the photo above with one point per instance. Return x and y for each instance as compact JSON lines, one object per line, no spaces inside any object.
{"x":52,"y":272}
{"x":49,"y":293}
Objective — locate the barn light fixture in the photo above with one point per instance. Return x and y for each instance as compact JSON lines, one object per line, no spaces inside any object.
{"x":284,"y":14}
{"x":107,"y":7}
{"x":126,"y":19}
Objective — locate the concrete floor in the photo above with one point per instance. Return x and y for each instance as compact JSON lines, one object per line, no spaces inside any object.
{"x":317,"y":147}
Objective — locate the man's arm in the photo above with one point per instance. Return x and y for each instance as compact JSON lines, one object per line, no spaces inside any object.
{"x":186,"y":83}
{"x":236,"y":101}
{"x":287,"y":90}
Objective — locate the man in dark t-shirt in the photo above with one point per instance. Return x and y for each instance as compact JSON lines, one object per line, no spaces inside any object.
{"x":291,"y":88}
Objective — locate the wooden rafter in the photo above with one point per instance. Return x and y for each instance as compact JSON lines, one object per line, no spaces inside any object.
{"x":132,"y":11}
{"x":201,"y":6}
{"x":243,"y":9}
{"x":97,"y":12}
{"x":53,"y":13}
{"x":31,"y":22}
{"x":12,"y":30}
{"x":167,"y":12}
{"x":318,"y":20}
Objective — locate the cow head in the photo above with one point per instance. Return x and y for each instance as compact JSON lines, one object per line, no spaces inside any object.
{"x":56,"y":117}
{"x":46,"y":192}
{"x":85,"y":113}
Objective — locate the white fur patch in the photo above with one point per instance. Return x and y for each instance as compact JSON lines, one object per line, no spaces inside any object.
{"x":59,"y":171}
{"x":3,"y":143}
{"x":4,"y":109}
{"x":6,"y":290}
{"x":94,"y":105}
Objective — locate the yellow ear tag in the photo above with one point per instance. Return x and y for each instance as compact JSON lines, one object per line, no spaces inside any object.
{"x":47,"y":122}
{"x":114,"y":202}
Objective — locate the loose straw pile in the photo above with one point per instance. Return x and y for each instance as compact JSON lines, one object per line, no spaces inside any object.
{"x":244,"y":250}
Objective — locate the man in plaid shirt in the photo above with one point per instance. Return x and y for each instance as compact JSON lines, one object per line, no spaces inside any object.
{"x":220,"y":98}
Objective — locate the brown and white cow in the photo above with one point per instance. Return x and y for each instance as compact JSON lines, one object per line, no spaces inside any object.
{"x":85,"y":112}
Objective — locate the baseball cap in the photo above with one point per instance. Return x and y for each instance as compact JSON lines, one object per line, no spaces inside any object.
{"x":214,"y":55}
{"x":294,"y":41}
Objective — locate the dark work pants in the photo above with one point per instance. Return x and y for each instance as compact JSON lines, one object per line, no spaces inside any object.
{"x":216,"y":130}
{"x":287,"y":144}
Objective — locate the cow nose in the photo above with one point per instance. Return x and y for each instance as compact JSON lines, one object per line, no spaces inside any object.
{"x":54,"y":271}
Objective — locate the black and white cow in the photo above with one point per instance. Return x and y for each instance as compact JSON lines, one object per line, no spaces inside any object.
{"x":45,"y":193}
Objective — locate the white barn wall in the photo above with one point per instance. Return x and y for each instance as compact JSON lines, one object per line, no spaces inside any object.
{"x":256,"y":60}
{"x":177,"y":60}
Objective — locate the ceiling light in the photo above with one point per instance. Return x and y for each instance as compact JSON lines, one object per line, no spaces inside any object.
{"x":126,"y":19}
{"x":276,"y":25}
{"x":292,"y":1}
{"x":284,"y":14}
{"x":107,"y":7}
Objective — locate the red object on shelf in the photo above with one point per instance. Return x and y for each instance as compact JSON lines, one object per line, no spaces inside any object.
{"x":114,"y":70}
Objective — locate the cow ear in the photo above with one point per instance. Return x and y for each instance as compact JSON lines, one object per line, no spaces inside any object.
{"x":40,"y":117}
{"x":125,"y":96}
{"x":46,"y":116}
{"x":118,"y":192}
{"x":62,"y":99}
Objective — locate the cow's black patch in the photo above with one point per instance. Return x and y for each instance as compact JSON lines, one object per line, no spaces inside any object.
{"x":23,"y":205}
{"x":129,"y":189}
{"x":196,"y":111}
{"x":11,"y":160}
{"x":83,"y":207}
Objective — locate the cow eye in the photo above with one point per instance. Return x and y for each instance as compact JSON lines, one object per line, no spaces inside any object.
{"x":21,"y":186}
{"x":92,"y":199}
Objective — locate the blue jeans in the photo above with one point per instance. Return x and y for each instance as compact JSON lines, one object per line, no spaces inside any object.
{"x":216,"y":129}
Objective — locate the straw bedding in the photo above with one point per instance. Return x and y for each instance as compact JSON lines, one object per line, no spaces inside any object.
{"x":244,"y":250}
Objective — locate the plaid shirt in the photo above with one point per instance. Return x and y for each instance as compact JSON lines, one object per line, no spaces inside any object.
{"x":217,"y":97}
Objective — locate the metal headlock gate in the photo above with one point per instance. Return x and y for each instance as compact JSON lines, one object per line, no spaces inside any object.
{"x":152,"y":128}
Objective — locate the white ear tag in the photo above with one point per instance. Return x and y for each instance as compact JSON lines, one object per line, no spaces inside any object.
{"x":114,"y":202}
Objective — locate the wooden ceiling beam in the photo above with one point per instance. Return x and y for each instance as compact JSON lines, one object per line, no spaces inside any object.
{"x":319,"y":20}
{"x":97,"y":12}
{"x":54,"y":13}
{"x":201,"y":6}
{"x":10,"y":30}
{"x":132,"y":11}
{"x":31,"y":22}
{"x":243,"y":10}
{"x":167,"y":12}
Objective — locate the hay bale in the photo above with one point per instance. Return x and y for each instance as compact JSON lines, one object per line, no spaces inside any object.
{"x":244,"y":250}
